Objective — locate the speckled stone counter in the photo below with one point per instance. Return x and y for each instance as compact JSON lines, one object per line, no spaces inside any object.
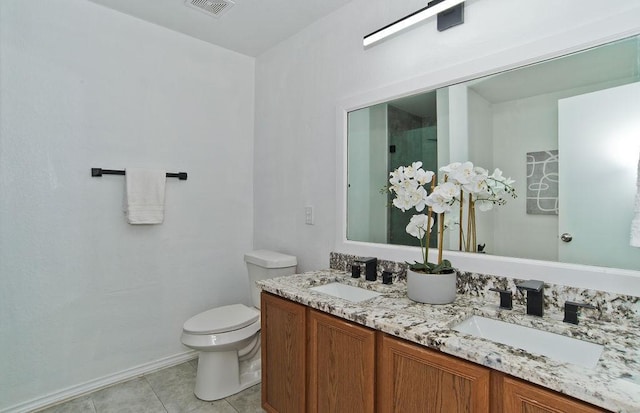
{"x":613,"y":384}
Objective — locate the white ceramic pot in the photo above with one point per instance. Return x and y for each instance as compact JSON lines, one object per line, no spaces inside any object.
{"x":431,"y":288}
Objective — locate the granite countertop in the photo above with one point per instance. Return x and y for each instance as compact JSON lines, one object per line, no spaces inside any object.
{"x":613,"y":384}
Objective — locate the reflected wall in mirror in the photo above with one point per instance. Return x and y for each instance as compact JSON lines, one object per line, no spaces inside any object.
{"x":585,"y":105}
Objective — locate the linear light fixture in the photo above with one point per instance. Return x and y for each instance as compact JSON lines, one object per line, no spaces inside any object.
{"x":433,"y":8}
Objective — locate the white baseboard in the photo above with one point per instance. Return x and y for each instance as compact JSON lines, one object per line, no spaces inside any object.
{"x":96,"y":384}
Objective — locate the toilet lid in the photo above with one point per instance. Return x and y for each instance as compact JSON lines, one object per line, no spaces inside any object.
{"x":222,"y":319}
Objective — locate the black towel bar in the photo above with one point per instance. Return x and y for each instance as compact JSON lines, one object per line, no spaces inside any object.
{"x":99,"y":172}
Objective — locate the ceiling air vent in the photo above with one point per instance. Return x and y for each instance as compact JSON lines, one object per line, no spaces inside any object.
{"x":215,"y":8}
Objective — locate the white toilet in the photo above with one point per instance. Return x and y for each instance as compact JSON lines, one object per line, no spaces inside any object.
{"x":228,"y":337}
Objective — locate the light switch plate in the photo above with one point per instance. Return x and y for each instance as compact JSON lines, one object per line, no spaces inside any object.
{"x":308,"y":215}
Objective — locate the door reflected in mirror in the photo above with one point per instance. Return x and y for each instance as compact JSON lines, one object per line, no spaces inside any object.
{"x":566,"y":130}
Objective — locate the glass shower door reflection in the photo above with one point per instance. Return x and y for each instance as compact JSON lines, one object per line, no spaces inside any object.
{"x":406,"y":147}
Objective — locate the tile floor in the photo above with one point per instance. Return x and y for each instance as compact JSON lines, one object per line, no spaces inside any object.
{"x":168,"y":390}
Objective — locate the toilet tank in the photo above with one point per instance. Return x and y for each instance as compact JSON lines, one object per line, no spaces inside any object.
{"x":263,"y":264}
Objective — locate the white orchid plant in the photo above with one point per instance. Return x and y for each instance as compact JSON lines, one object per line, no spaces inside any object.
{"x":460,"y":179}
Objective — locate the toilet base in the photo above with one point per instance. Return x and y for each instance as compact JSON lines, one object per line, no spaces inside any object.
{"x":220,"y":374}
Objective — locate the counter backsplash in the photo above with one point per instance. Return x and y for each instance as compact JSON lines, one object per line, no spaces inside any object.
{"x":609,"y":306}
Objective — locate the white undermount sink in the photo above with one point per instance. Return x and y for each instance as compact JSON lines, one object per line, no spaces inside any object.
{"x":555,"y":346}
{"x":346,"y":292}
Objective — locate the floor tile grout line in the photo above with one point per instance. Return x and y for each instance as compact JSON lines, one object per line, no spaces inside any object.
{"x":232,"y":406}
{"x":95,"y":409}
{"x":155,"y":393}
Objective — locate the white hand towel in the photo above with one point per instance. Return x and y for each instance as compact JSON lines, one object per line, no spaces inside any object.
{"x":145,"y":195}
{"x":635,"y":222}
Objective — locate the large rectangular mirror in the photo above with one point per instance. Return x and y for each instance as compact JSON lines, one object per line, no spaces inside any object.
{"x":567,"y":130}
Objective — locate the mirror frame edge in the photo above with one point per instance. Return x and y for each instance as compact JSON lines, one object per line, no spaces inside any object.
{"x":576,"y":275}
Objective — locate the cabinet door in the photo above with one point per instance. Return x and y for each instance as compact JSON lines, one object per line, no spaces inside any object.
{"x":341,"y":365}
{"x":412,"y":378}
{"x":521,"y":397}
{"x":283,"y":355}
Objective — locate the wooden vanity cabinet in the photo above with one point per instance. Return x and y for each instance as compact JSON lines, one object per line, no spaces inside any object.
{"x":412,"y":378}
{"x":341,"y":365}
{"x":315,"y":362}
{"x":513,"y":395}
{"x":283,"y":335}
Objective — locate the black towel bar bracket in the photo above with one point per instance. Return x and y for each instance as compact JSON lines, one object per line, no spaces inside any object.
{"x":99,"y":172}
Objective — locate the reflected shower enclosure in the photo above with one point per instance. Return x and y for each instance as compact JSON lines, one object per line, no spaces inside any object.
{"x":382,"y":138}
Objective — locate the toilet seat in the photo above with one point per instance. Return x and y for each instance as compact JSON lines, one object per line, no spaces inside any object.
{"x":222,"y":328}
{"x":236,"y":339}
{"x":222,"y":319}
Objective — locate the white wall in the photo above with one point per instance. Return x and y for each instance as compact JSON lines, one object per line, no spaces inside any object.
{"x":481,"y":150}
{"x":522,"y":126}
{"x":358,"y":202}
{"x":369,"y":146}
{"x":300,"y":82}
{"x":83,"y":295}
{"x":379,"y":155}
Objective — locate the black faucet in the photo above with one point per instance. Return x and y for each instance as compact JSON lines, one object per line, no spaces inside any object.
{"x":355,"y":271}
{"x":387,"y":277}
{"x":571,"y":311}
{"x":370,"y":268}
{"x":506,"y":301}
{"x":535,"y":296}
